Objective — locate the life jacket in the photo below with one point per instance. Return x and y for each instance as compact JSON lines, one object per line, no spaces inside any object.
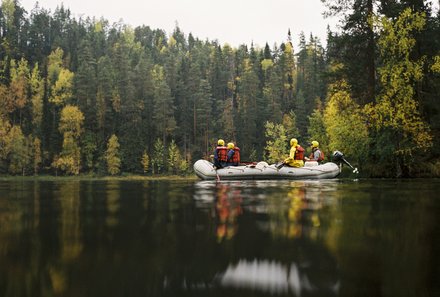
{"x":222,"y":153}
{"x":321,"y":156}
{"x":299,"y":153}
{"x":236,"y":157}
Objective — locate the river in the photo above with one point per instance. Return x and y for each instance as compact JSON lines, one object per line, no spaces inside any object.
{"x":341,"y":237}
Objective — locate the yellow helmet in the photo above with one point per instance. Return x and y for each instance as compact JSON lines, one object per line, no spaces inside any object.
{"x":230,"y":145}
{"x":315,"y":143}
{"x":293,"y":142}
{"x":221,"y":142}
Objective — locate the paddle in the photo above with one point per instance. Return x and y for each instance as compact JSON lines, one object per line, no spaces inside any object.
{"x":338,"y":156}
{"x":280,"y":165}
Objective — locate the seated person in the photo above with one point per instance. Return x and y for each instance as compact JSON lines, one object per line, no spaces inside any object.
{"x":296,"y":156}
{"x":316,"y":155}
{"x":233,"y":155}
{"x":220,"y":154}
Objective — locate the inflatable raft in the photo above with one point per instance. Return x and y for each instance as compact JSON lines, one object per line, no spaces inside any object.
{"x":262,"y":170}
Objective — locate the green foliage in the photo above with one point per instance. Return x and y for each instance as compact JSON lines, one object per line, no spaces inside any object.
{"x":62,"y":90}
{"x":19,"y":153}
{"x":435,"y":67}
{"x":289,"y":123}
{"x":37,"y":96}
{"x":19,"y":83}
{"x":143,"y":85}
{"x":276,"y":142}
{"x":71,"y":123}
{"x":396,"y":110}
{"x":89,"y":149}
{"x":175,"y":163}
{"x":37,"y":155}
{"x":112,"y":156}
{"x":157,"y":160}
{"x":317,"y":130}
{"x":163,"y":114}
{"x":345,"y":124}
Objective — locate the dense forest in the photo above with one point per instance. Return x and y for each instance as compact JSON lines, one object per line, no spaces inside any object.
{"x":83,"y":96}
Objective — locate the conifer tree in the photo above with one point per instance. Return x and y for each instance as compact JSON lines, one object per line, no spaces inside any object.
{"x":163,"y":113}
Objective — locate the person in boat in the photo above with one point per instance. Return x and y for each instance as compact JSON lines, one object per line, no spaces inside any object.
{"x":296,"y":155}
{"x":316,"y":154}
{"x":233,"y":155}
{"x":220,"y":154}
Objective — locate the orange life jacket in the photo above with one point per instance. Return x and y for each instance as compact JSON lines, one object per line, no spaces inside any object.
{"x":299,"y":153}
{"x":321,"y":156}
{"x":236,"y":156}
{"x":222,"y":153}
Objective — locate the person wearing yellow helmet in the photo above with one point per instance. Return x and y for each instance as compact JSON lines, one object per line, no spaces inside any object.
{"x":316,"y":154}
{"x":296,"y":155}
{"x":233,"y":156}
{"x":220,"y":154}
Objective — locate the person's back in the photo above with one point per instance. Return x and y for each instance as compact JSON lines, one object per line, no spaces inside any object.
{"x":296,"y":156}
{"x":233,"y":156}
{"x":220,"y":154}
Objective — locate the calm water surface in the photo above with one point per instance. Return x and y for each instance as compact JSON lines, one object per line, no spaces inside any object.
{"x":186,"y":238}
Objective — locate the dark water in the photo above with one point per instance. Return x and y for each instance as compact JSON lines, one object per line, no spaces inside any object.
{"x":186,"y":238}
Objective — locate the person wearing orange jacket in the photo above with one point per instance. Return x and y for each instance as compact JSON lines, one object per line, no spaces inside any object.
{"x":296,"y":155}
{"x":233,"y":155}
{"x":220,"y":154}
{"x":316,"y":154}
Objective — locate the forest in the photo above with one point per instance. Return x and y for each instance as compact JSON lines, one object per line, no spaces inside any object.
{"x":83,"y":96}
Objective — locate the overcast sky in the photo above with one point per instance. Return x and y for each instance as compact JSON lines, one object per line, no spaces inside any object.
{"x":228,"y":21}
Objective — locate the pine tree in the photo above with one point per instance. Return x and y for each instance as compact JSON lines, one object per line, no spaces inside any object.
{"x":158,"y":158}
{"x":163,"y":113}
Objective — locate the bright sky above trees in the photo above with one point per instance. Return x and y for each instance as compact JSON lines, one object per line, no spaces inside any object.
{"x":229,"y":21}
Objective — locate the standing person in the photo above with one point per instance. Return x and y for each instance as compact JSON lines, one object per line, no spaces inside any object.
{"x":220,"y":154}
{"x":296,"y":155}
{"x":233,"y":155}
{"x":316,"y":155}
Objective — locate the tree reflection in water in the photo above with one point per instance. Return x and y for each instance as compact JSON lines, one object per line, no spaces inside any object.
{"x":290,"y":257}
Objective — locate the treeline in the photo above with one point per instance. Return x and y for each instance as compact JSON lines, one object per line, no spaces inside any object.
{"x":86,"y":96}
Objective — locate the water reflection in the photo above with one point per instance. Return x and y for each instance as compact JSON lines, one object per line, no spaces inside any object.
{"x":290,"y":212}
{"x":275,"y":277}
{"x":186,"y":238}
{"x":228,"y":208}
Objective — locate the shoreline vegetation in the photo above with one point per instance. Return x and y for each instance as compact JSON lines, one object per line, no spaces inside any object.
{"x":128,"y":177}
{"x":83,"y":96}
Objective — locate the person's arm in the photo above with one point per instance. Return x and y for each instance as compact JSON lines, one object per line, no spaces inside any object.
{"x":291,"y":155}
{"x":230,"y":154}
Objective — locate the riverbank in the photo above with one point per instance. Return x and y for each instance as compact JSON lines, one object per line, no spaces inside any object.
{"x":96,"y":177}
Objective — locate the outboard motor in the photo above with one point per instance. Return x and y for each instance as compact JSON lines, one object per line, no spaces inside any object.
{"x":339,"y":157}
